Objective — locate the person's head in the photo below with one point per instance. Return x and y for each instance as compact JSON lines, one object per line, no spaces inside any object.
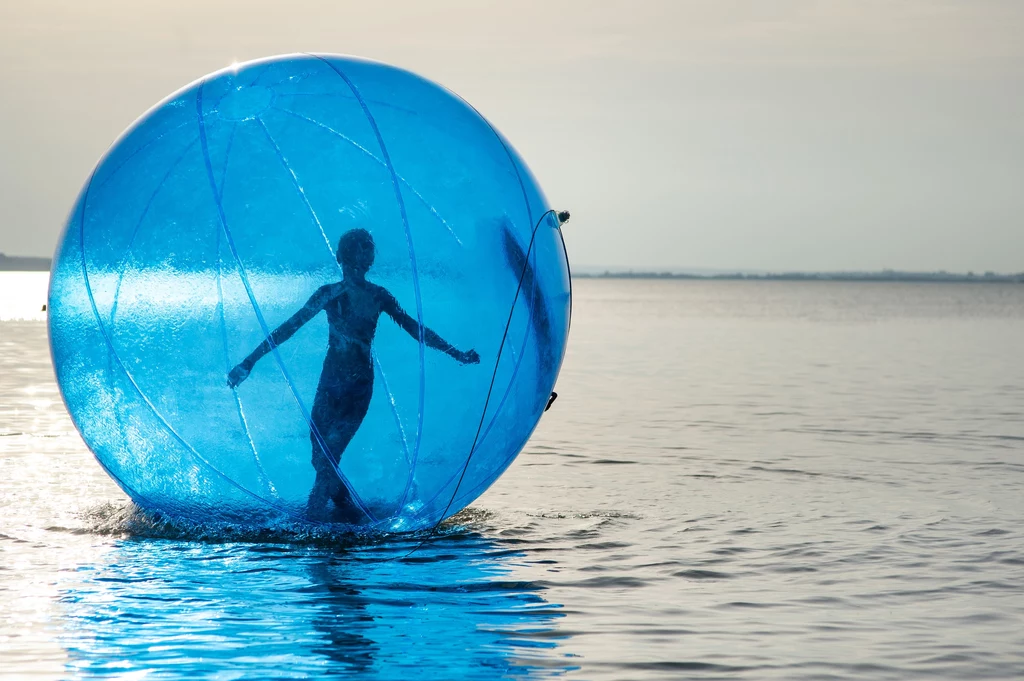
{"x":356,"y":251}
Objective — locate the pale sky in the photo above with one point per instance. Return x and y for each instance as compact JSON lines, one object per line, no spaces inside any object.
{"x":757,"y":134}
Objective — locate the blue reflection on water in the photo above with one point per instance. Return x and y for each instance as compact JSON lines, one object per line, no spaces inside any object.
{"x":171,"y":609}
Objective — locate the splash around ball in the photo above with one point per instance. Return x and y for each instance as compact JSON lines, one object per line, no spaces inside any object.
{"x":309,"y":288}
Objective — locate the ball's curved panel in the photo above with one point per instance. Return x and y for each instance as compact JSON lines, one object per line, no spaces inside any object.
{"x":218,"y":216}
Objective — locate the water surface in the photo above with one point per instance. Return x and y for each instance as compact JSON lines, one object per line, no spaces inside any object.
{"x":742,"y":480}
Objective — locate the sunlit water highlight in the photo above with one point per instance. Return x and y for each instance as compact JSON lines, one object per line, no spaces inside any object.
{"x":739,"y":480}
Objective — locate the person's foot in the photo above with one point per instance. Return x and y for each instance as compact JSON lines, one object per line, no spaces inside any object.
{"x":347,"y":513}
{"x":316,"y":506}
{"x":345,"y":509}
{"x":317,"y":513}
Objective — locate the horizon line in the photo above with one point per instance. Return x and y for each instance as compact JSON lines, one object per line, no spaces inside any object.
{"x":43,"y":263}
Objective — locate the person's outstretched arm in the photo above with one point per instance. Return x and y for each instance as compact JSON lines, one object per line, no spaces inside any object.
{"x":402,"y":318}
{"x":279,"y":335}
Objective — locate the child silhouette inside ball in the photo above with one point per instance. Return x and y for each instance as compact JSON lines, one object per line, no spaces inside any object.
{"x":353,"y":306}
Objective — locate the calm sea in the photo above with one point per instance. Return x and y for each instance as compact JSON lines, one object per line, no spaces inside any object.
{"x":740,"y":480}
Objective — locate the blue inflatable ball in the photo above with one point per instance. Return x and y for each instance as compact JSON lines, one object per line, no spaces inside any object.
{"x":310,"y":288}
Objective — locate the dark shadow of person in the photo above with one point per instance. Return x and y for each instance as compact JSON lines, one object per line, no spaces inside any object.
{"x":353,"y":306}
{"x":530,"y":292}
{"x":454,"y":609}
{"x":341,"y":619}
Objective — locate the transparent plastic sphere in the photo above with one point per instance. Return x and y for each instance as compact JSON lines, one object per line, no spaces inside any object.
{"x":309,"y":288}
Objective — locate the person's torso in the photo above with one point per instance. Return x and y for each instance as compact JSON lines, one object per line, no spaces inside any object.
{"x":352,"y":314}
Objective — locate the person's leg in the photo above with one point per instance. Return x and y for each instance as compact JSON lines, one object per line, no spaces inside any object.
{"x":338,"y":410}
{"x":345,"y":508}
{"x":316,"y":507}
{"x":346,"y":423}
{"x":324,"y":486}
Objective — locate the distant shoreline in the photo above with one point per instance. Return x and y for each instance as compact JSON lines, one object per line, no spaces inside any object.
{"x":10,"y":263}
{"x":14,"y":263}
{"x":883,"y":276}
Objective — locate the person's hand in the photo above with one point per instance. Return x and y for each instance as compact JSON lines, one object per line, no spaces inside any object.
{"x":237,"y":375}
{"x":470,"y":357}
